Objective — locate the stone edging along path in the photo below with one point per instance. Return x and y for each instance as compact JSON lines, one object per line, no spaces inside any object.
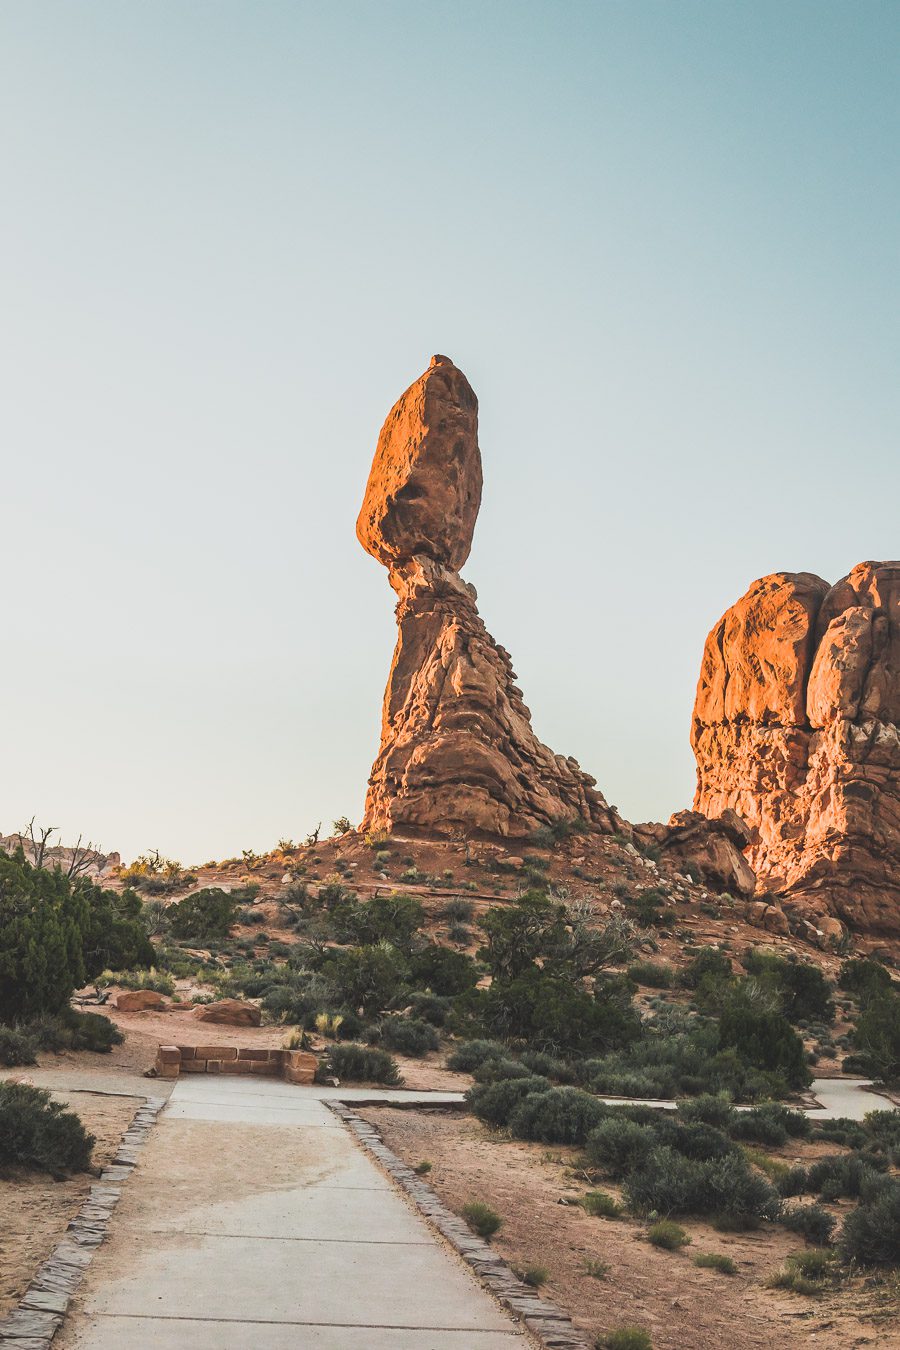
{"x":548,"y":1324}
{"x":39,"y":1314}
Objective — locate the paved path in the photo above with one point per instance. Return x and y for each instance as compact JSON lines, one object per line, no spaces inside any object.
{"x":254,"y":1220}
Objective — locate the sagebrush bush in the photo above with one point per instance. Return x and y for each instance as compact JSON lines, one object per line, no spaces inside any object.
{"x":562,"y":1115}
{"x":38,"y":1133}
{"x":652,"y":974}
{"x":624,"y":1338}
{"x":494,"y":1070}
{"x":409,"y":1036}
{"x":481,"y":1218}
{"x":357,"y":1063}
{"x":493,"y":1103}
{"x":600,"y":1205}
{"x":471,"y":1054}
{"x":813,"y":1222}
{"x":617,"y":1146}
{"x":667,"y":1234}
{"x":16,"y":1047}
{"x":871,"y":1234}
{"x":716,"y":1261}
{"x":708,"y":1109}
{"x":726,"y":1188}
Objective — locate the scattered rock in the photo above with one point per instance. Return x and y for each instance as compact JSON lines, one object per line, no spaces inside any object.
{"x":229,"y":1011}
{"x":137,"y":1000}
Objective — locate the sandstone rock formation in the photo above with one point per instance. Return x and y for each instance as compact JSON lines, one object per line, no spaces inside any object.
{"x":796,"y":729}
{"x":458,"y":752}
{"x":231,"y":1012}
{"x":712,"y":849}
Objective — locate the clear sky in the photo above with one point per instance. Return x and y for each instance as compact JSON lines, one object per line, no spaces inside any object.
{"x":661,"y":239}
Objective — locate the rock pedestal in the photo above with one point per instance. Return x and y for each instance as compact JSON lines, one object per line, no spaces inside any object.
{"x":458,"y":753}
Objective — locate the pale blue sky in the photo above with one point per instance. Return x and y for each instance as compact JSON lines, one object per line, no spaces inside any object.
{"x":660,"y":238}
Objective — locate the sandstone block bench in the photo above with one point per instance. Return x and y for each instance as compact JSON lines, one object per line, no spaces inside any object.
{"x":295,"y":1066}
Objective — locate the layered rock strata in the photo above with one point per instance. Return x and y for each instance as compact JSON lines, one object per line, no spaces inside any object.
{"x":458,"y":753}
{"x":796,"y":729}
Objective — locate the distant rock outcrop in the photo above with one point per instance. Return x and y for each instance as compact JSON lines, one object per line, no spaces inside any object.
{"x":458,"y":752}
{"x":796,"y":730}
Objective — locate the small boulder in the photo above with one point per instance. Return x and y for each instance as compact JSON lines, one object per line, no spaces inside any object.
{"x":230,"y":1012}
{"x":138,"y":1000}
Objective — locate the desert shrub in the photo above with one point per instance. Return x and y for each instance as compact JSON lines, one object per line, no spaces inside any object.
{"x":600,"y":1205}
{"x":562,"y":1115}
{"x":493,"y":1103}
{"x":43,"y":923}
{"x":481,"y":1218}
{"x":92,"y":1031}
{"x":864,"y":978}
{"x":366,"y":977}
{"x":386,"y":918}
{"x":841,"y":1175}
{"x":493,"y":1070}
{"x":802,"y":990}
{"x":458,"y":910}
{"x":724,"y":1187}
{"x":358,"y":1064}
{"x":871,"y":1234}
{"x":538,"y":1061}
{"x":716,"y":1261}
{"x":813,"y":1222}
{"x":549,"y":1012}
{"x":652,"y":974}
{"x":617,"y":1146}
{"x":876,"y":1037}
{"x":842,"y":1130}
{"x":434,"y":1008}
{"x":709,"y":965}
{"x":764,"y":1039}
{"x":758,"y":1127}
{"x":156,"y":980}
{"x":288,"y":996}
{"x":708,"y":1109}
{"x":205,"y":916}
{"x":473,"y":1053}
{"x":442,"y":970}
{"x":409,"y":1036}
{"x":693,"y":1139}
{"x":667,"y":1234}
{"x":882,"y":1130}
{"x":647,"y":909}
{"x":534,"y":1276}
{"x":624,"y":1338}
{"x":808,"y":1272}
{"x":16,"y":1047}
{"x":38,"y":1133}
{"x":792,"y":1181}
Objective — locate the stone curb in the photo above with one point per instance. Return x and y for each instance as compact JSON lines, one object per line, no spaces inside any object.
{"x":548,"y":1324}
{"x":39,"y":1314}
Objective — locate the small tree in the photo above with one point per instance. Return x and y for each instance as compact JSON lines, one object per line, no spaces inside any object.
{"x":205,"y":916}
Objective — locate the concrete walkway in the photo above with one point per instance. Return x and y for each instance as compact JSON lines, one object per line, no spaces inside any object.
{"x":253,"y":1219}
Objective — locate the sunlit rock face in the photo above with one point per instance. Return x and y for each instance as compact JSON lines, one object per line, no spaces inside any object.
{"x":458,"y":753}
{"x":796,"y":729}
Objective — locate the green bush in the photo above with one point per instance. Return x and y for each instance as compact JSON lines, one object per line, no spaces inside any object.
{"x":442,"y":970}
{"x":538,"y":1061}
{"x":864,"y":979}
{"x":802,"y":990}
{"x":652,"y":975}
{"x":43,"y":925}
{"x":206,"y":916}
{"x":494,"y":1103}
{"x":16,"y":1047}
{"x":600,"y":1205}
{"x":534,"y":1276}
{"x":840,"y":1175}
{"x":559,"y":1116}
{"x":813,"y":1222}
{"x":716,"y":1261}
{"x":409,"y":1036}
{"x":624,"y":1338}
{"x":708,"y":1109}
{"x":764,"y":1039}
{"x":726,"y":1188}
{"x":481,"y":1219}
{"x":434,"y":1008}
{"x":876,"y":1037}
{"x":871,"y":1234}
{"x":667,"y":1234}
{"x":493,"y":1070}
{"x":709,"y":965}
{"x":474,"y":1053}
{"x":617,"y":1146}
{"x":36,"y":1132}
{"x":358,"y":1064}
{"x":386,"y":918}
{"x":369,"y":978}
{"x":550,"y":1013}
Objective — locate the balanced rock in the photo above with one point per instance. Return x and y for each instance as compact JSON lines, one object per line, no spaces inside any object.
{"x":458,"y":752}
{"x":796,"y":729}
